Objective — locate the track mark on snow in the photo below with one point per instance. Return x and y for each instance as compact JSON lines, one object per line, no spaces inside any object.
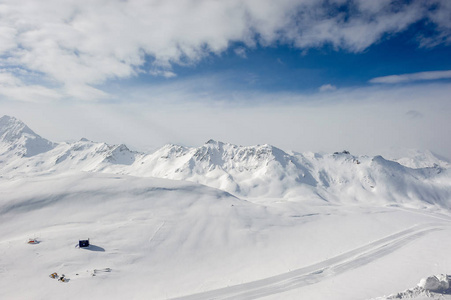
{"x":317,"y":272}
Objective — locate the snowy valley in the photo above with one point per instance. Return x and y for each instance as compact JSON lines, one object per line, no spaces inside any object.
{"x":219,"y":221}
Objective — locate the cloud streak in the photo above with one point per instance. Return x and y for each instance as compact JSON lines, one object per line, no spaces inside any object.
{"x":405,"y":78}
{"x":80,"y":45}
{"x":13,"y":87}
{"x":327,"y":88}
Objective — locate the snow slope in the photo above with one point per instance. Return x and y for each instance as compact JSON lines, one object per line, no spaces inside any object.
{"x":167,"y":239}
{"x":272,"y":224}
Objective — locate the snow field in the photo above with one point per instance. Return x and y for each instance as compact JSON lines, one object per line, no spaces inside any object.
{"x":164,"y":239}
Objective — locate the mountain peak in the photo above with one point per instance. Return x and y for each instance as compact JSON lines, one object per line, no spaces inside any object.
{"x":12,"y":128}
{"x":6,"y":119}
{"x":214,"y":142}
{"x":16,"y":136}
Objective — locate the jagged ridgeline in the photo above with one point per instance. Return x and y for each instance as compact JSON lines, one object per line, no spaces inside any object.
{"x":245,"y":171}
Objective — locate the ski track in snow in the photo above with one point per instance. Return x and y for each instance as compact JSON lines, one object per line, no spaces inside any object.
{"x":320,"y":271}
{"x":159,"y":235}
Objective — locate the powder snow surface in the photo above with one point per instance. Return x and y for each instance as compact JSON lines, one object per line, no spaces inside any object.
{"x":221,"y":222}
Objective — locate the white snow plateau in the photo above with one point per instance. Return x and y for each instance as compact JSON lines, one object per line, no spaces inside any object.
{"x":220,"y":221}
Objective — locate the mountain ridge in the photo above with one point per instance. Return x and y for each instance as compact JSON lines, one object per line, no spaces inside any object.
{"x":261,"y":171}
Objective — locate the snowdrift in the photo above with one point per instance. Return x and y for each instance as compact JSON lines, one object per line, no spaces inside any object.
{"x":432,"y":287}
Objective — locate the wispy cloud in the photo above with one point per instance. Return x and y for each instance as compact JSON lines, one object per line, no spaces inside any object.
{"x":403,"y":78}
{"x":241,"y":52}
{"x":414,"y":114}
{"x":327,"y":88}
{"x":12,"y":88}
{"x":87,"y":43}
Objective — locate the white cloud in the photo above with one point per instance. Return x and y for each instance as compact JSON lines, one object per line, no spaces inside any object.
{"x":363,"y":121}
{"x":327,"y":88}
{"x":164,"y":73}
{"x":440,"y":16}
{"x":403,"y":78}
{"x":86,"y":43}
{"x":7,"y":35}
{"x":12,"y":88}
{"x":84,"y":92}
{"x":241,"y":52}
{"x":8,"y":79}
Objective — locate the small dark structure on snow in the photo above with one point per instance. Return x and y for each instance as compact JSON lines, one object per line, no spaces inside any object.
{"x":83,"y":243}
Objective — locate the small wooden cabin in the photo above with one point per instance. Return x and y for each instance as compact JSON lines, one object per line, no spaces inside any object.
{"x":83,"y":243}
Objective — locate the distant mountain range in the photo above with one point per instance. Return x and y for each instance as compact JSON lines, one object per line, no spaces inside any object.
{"x":262,"y":171}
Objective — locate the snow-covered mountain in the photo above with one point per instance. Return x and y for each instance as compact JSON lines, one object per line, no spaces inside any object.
{"x":19,"y":140}
{"x":284,"y":226}
{"x":414,"y":158}
{"x":245,"y":171}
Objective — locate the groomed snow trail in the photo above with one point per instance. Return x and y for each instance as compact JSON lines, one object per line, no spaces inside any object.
{"x":319,"y":271}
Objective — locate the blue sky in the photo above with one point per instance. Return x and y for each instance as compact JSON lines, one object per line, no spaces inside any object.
{"x":299,"y":74}
{"x":284,"y":68}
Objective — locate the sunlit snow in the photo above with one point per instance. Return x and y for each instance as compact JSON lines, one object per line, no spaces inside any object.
{"x":219,"y":221}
